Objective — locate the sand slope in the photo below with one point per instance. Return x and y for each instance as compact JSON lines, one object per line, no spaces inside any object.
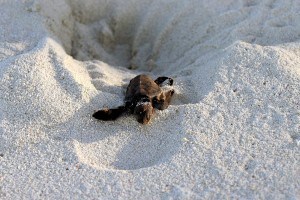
{"x":232,"y":130}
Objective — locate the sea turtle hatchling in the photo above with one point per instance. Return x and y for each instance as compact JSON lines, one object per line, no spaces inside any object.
{"x":143,"y":94}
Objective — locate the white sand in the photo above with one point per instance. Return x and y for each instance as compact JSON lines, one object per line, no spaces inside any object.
{"x":232,"y":130}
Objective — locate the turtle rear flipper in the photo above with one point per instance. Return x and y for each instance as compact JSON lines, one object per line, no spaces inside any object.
{"x":160,"y":80}
{"x":109,"y":114}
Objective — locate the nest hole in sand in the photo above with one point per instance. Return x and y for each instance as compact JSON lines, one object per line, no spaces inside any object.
{"x":152,"y":37}
{"x":161,"y":37}
{"x":131,"y":34}
{"x":169,"y":38}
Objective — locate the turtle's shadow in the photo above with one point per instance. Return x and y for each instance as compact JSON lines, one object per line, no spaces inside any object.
{"x":123,"y":144}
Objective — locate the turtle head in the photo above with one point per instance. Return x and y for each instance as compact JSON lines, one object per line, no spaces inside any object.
{"x":144,"y":111}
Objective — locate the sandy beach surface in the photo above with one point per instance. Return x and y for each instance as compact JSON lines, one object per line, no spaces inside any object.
{"x":232,"y":130}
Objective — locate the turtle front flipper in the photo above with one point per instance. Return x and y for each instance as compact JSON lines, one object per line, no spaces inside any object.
{"x":162,"y":101}
{"x":109,"y":114}
{"x":160,"y":80}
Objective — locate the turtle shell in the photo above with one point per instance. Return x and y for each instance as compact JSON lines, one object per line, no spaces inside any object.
{"x":142,"y":85}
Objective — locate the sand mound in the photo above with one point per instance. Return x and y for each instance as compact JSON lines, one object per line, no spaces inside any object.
{"x":233,"y":127}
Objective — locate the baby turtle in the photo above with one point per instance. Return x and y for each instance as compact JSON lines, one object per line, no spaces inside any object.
{"x":143,"y":94}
